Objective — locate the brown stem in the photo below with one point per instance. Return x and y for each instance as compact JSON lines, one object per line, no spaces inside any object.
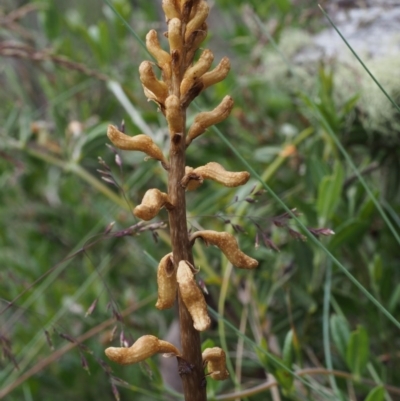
{"x":191,"y":366}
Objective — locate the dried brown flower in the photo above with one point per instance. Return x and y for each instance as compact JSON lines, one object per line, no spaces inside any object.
{"x":174,"y":117}
{"x":145,"y":347}
{"x":192,"y":297}
{"x":152,"y":202}
{"x":218,"y":74}
{"x":167,"y":284}
{"x":193,"y":178}
{"x":215,"y":360}
{"x":205,"y":119}
{"x":163,"y":58}
{"x":156,"y":90}
{"x":196,"y":71}
{"x":200,"y":14}
{"x":228,"y":245}
{"x":171,"y":10}
{"x":141,"y":143}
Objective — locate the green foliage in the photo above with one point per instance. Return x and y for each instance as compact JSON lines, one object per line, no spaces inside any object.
{"x":54,"y":208}
{"x":357,"y":352}
{"x":376,"y":394}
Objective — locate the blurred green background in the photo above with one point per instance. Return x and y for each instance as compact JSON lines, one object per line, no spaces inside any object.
{"x":68,"y":69}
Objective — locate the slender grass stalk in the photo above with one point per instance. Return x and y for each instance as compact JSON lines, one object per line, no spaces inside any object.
{"x":325,"y":327}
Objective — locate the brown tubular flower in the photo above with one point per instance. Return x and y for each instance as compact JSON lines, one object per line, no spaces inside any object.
{"x":193,"y":43}
{"x":145,"y":347}
{"x":196,"y":71}
{"x":228,"y":245}
{"x":193,"y":178}
{"x":170,"y":9}
{"x":215,"y":360}
{"x":142,"y":143}
{"x":163,"y":58}
{"x":192,"y":297}
{"x":174,"y":118}
{"x":156,"y":90}
{"x":167,"y":284}
{"x":204,"y":120}
{"x":199,"y":14}
{"x":152,"y":202}
{"x":218,"y":74}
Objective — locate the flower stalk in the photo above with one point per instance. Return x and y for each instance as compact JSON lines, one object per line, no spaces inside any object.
{"x":180,"y":81}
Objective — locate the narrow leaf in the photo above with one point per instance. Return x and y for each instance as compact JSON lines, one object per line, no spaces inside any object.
{"x":340,"y":333}
{"x":376,"y":394}
{"x":287,"y":352}
{"x":357,"y":353}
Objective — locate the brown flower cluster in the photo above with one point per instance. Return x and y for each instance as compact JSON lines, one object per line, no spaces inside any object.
{"x":181,"y":80}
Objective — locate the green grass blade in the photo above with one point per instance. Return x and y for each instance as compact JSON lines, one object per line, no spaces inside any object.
{"x":132,"y":31}
{"x":325,"y":329}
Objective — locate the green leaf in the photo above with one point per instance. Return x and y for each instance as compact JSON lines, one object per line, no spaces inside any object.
{"x":262,"y":356}
{"x":376,"y":270}
{"x":349,"y":105}
{"x":367,"y":209}
{"x":340,"y":333}
{"x":329,"y":192}
{"x":209,"y":343}
{"x":376,"y":394}
{"x":394,"y":299}
{"x":285,"y":379}
{"x":288,"y":349}
{"x":357,"y":353}
{"x":51,"y":21}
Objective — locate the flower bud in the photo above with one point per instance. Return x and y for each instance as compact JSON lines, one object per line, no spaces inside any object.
{"x":205,"y":119}
{"x":150,"y":82}
{"x":228,"y":245}
{"x":152,"y":202}
{"x":216,"y":363}
{"x":166,"y":281}
{"x":145,"y":347}
{"x":192,"y":297}
{"x":213,"y":171}
{"x":142,"y":143}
